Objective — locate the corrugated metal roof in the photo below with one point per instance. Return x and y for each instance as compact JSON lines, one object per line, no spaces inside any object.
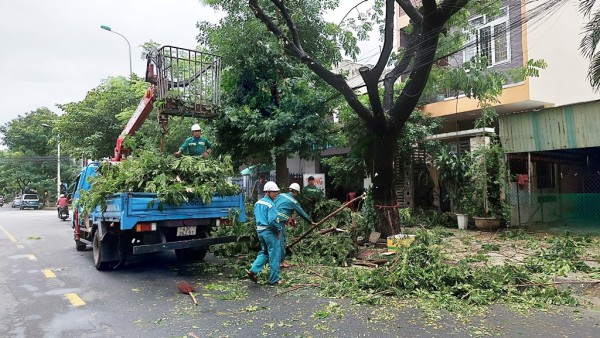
{"x":566,"y":127}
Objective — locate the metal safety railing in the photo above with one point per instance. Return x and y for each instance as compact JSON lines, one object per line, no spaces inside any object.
{"x":188,"y":82}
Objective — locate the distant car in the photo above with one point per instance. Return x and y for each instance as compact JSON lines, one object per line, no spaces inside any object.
{"x":16,"y":202}
{"x":30,"y":201}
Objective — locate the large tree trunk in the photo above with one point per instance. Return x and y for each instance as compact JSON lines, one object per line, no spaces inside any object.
{"x":282,"y":175}
{"x":384,"y":195}
{"x":428,"y":20}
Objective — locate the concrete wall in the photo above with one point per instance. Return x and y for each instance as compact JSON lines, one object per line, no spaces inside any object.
{"x":555,"y":38}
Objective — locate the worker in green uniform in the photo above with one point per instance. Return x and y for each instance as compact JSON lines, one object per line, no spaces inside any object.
{"x":311,"y":192}
{"x":196,"y":145}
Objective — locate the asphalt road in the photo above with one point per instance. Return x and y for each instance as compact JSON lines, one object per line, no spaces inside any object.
{"x":48,"y":289}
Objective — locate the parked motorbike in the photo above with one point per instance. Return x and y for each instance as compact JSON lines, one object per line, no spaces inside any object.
{"x":63,"y":213}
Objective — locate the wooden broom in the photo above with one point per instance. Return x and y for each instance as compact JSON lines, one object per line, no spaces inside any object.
{"x":187,"y":289}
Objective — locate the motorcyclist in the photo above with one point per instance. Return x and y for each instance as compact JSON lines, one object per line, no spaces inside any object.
{"x":62,"y":202}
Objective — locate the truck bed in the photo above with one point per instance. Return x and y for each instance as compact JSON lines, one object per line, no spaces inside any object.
{"x":131,"y":208}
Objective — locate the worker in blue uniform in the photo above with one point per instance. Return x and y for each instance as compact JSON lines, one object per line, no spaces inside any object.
{"x":269,"y":232}
{"x":286,"y":204}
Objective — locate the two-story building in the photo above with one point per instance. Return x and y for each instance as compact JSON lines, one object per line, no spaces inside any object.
{"x":548,"y":125}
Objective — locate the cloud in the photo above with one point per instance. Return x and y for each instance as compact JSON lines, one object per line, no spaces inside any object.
{"x":54,"y":52}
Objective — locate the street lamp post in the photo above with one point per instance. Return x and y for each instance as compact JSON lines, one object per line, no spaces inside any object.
{"x":107,"y":28}
{"x":57,"y":162}
{"x":58,"y":182}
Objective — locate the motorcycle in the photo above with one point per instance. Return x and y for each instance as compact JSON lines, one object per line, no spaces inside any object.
{"x":1,"y":204}
{"x":63,"y":213}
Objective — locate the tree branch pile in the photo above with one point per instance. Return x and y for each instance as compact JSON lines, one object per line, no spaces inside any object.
{"x":174,"y":180}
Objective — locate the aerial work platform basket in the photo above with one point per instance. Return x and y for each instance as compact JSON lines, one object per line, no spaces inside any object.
{"x":187,"y":82}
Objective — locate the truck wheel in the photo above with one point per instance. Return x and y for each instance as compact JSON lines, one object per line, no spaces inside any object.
{"x":79,"y":246}
{"x":193,"y":254}
{"x":186,"y":255}
{"x":98,"y":254}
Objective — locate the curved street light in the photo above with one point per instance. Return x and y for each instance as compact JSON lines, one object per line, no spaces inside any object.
{"x":107,"y":28}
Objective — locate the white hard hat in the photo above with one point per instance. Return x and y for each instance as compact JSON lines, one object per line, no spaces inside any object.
{"x":196,"y":127}
{"x":295,"y":186}
{"x":271,"y":186}
{"x":62,"y":195}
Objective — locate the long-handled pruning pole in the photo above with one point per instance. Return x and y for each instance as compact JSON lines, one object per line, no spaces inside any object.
{"x":316,"y":225}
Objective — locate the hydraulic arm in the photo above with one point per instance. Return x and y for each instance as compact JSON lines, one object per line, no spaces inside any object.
{"x":186,"y":83}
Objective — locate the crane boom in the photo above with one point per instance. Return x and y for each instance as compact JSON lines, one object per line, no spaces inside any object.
{"x":135,"y":122}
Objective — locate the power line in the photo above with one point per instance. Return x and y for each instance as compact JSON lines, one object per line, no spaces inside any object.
{"x":535,"y":15}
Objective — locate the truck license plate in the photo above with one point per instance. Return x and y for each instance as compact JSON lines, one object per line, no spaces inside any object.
{"x":186,"y":231}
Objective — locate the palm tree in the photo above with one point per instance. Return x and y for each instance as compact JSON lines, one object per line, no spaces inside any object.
{"x":590,"y":41}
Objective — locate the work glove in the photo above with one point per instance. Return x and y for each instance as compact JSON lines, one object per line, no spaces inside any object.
{"x":291,"y":222}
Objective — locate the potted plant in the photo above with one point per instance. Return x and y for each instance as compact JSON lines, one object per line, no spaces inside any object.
{"x":486,"y":192}
{"x":454,"y":174}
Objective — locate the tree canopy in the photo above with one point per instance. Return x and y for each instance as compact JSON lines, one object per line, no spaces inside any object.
{"x":30,"y":160}
{"x":273,"y":108}
{"x":386,"y":112}
{"x":90,"y":127}
{"x":30,"y":133}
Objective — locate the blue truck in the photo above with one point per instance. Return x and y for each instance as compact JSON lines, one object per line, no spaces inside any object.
{"x":186,"y":84}
{"x":133,"y":223}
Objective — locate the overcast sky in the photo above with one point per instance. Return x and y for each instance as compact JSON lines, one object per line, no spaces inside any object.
{"x":53,"y":51}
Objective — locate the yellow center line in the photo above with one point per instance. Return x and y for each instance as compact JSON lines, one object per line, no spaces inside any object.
{"x":10,"y":237}
{"x":49,"y":273}
{"x":74,"y":299}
